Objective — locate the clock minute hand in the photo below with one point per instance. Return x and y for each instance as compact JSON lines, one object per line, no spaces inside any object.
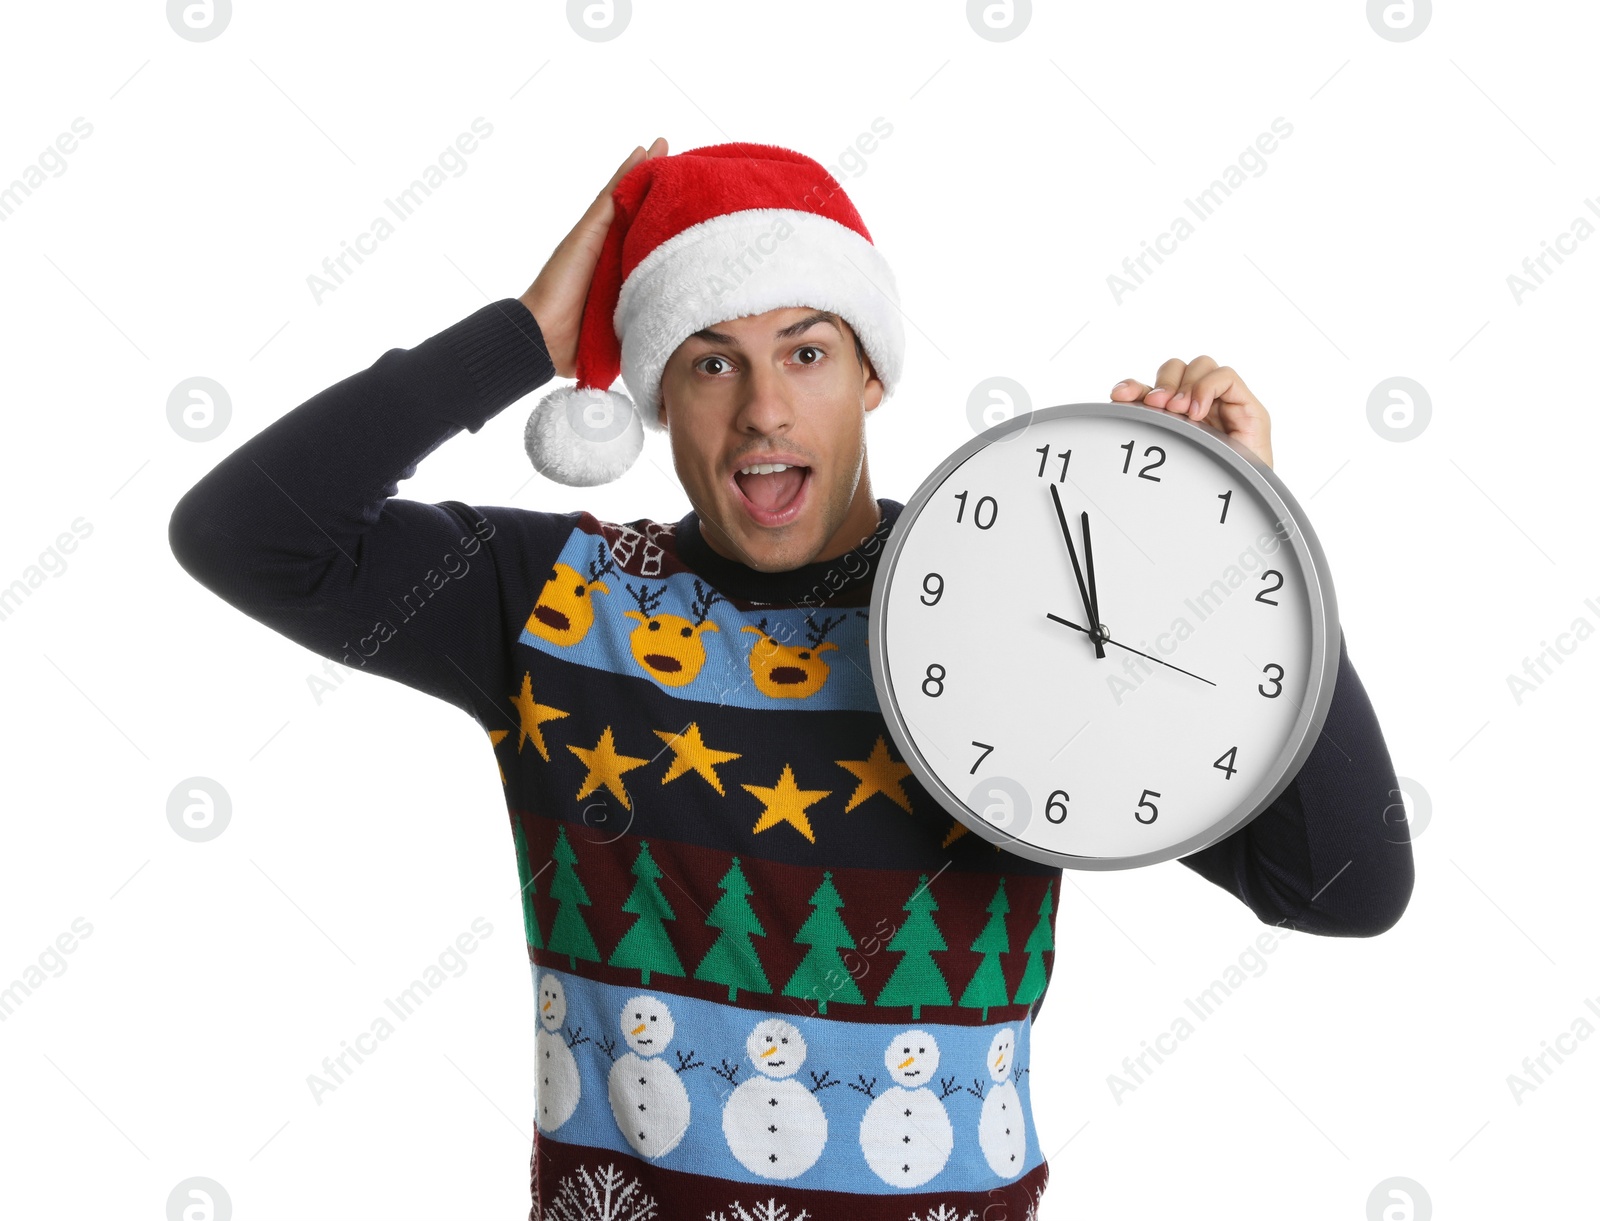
{"x":1094,"y":591}
{"x":1083,"y":589}
{"x":1130,"y":649}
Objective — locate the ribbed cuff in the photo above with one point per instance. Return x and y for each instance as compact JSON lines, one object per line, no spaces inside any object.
{"x":503,"y":352}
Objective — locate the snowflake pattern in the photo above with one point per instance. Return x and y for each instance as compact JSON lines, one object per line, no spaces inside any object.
{"x":944,"y":1212}
{"x":605,"y":1195}
{"x":770,"y":1211}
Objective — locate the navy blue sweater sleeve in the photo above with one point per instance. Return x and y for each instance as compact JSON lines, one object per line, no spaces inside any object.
{"x":1330,"y":855}
{"x":301,"y":529}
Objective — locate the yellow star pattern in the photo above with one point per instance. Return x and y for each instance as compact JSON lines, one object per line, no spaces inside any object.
{"x":606,"y":767}
{"x":957,"y":830}
{"x":497,"y":736}
{"x":533,"y":715}
{"x":786,"y":802}
{"x":878,"y":773}
{"x":691,"y":754}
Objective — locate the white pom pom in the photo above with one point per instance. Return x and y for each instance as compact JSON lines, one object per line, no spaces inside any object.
{"x":583,"y":437}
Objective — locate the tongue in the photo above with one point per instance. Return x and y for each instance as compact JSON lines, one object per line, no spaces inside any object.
{"x":773,"y":491}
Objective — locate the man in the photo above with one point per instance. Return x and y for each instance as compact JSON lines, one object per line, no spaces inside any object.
{"x":752,"y":932}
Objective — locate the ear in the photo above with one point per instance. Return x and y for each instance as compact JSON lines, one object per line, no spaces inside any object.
{"x":707,"y":626}
{"x":634,"y":615}
{"x":600,"y":585}
{"x":872,"y":391}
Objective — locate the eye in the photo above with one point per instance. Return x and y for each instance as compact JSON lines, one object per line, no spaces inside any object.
{"x":806,"y":656}
{"x":705,"y":361}
{"x":553,"y":575}
{"x":578,"y":589}
{"x":652,"y":1017}
{"x":810,"y":347}
{"x":684,"y":631}
{"x":654,"y":626}
{"x":783,"y":1040}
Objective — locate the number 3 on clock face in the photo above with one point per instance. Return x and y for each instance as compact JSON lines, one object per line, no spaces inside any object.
{"x":1103,"y":636}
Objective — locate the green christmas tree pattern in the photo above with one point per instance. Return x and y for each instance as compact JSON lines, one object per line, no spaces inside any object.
{"x":987,"y":986}
{"x":917,"y":980}
{"x":732,"y":958}
{"x":525,"y":877}
{"x":646,"y":946}
{"x":1031,"y":987}
{"x":569,"y":934}
{"x":822,"y":975}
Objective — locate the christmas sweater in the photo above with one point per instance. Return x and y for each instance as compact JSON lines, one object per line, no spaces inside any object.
{"x":773,"y":978}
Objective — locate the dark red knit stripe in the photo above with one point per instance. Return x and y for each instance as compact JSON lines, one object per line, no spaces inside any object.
{"x":873,"y":909}
{"x":679,"y":1196}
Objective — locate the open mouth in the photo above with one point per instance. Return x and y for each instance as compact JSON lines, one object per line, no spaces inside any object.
{"x":772,"y":493}
{"x":551,"y":617}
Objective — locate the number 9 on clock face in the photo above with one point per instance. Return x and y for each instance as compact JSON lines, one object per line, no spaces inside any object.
{"x":1103,"y":636}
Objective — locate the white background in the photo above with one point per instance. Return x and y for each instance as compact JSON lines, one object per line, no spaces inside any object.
{"x":368,"y":829}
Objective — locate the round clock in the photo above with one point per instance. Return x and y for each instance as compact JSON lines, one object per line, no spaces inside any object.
{"x":1103,"y":636}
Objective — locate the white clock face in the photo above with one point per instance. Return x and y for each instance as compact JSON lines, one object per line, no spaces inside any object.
{"x":1210,"y":633}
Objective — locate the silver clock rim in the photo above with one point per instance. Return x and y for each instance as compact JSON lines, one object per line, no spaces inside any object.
{"x":1323,"y":609}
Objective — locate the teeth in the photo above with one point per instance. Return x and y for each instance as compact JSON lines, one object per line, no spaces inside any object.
{"x":763,"y":468}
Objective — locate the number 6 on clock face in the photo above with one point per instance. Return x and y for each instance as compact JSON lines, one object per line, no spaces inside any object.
{"x":1103,"y":636}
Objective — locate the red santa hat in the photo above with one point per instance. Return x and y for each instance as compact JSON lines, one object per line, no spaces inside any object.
{"x":700,"y":237}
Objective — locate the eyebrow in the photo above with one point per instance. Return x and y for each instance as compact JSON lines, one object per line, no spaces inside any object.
{"x":788,"y":332}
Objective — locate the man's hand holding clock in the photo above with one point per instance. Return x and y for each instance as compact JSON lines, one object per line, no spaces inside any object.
{"x":1209,"y":394}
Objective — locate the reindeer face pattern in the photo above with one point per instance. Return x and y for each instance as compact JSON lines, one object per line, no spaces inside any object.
{"x":564,"y":610}
{"x":786,"y":671}
{"x":672,"y":627}
{"x":668,"y":647}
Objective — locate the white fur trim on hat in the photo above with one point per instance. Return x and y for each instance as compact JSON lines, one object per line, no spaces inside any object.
{"x":583,"y":437}
{"x":749,"y":262}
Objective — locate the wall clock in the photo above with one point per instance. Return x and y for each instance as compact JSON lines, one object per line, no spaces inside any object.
{"x":1103,"y":636}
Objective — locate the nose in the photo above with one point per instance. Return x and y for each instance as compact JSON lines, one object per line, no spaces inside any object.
{"x":908,"y":1062}
{"x":769,"y":1051}
{"x":766,"y":410}
{"x":640,"y":1029}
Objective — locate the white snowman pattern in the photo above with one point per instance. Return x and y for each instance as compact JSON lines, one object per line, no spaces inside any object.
{"x":649,"y":1102}
{"x":559,"y":1087}
{"x":906,"y":1134}
{"x":774,"y":1125}
{"x":1001,"y":1133}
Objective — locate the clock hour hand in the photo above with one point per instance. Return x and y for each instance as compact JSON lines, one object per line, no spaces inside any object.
{"x":1083,"y":589}
{"x":1130,"y":649}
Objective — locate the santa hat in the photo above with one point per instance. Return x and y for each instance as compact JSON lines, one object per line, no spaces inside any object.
{"x":700,"y":237}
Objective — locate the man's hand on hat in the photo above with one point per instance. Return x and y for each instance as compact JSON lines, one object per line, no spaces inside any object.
{"x":1209,"y":394}
{"x":556,"y":298}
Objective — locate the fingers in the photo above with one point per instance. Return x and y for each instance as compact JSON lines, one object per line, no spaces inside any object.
{"x":1174,"y":390}
{"x":1218,"y":387}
